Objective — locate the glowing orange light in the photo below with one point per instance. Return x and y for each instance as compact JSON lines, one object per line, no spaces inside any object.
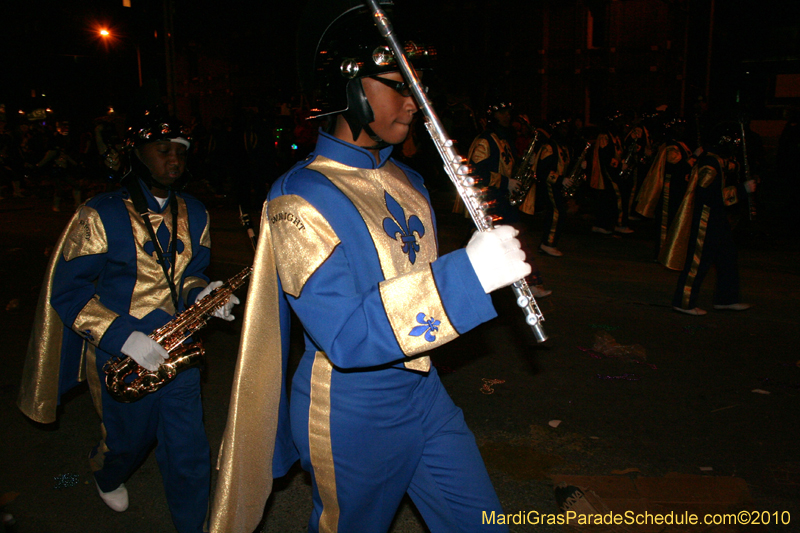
{"x":104,"y":32}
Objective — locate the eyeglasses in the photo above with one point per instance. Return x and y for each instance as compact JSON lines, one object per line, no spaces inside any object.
{"x":402,"y":88}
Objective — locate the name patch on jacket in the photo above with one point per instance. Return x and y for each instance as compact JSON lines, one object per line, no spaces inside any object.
{"x":288,"y":217}
{"x":301,"y":238}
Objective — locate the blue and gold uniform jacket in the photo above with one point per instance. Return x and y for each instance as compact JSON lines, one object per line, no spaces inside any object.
{"x":353,"y":244}
{"x":104,"y":282}
{"x":357,"y":256}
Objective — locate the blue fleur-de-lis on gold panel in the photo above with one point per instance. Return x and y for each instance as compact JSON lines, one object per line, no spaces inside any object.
{"x":150,"y":249}
{"x":428,"y":328}
{"x":506,"y":155}
{"x":406,"y":229}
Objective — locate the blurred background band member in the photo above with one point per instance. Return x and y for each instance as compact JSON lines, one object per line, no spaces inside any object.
{"x":701,"y":235}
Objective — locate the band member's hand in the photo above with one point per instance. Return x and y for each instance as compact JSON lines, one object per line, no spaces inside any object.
{"x":144,"y":350}
{"x":567,"y":183}
{"x":750,"y":186}
{"x":513,"y":185}
{"x":223,"y":312}
{"x":497,"y":258}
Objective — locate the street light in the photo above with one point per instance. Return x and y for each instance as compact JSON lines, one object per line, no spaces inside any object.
{"x":107,"y":36}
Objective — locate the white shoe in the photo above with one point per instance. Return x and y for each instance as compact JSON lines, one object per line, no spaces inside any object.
{"x":550,"y":250}
{"x":538,"y":291}
{"x":623,"y":229}
{"x":598,"y":229}
{"x":696,"y":311}
{"x":734,"y":307}
{"x":117,"y":499}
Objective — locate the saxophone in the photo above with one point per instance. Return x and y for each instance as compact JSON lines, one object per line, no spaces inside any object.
{"x":627,"y":161}
{"x":570,"y":191}
{"x":526,"y":174}
{"x":171,"y":336}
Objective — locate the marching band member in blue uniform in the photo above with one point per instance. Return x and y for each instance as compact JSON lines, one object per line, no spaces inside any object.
{"x":352,"y":236}
{"x":606,"y":166}
{"x":128,"y":262}
{"x":701,"y":236}
{"x":553,"y":160}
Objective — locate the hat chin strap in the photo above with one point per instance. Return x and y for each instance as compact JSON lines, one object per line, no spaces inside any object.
{"x":380,"y":144}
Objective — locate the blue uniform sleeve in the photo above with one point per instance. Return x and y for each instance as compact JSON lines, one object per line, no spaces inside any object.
{"x":74,"y":299}
{"x":353,"y":328}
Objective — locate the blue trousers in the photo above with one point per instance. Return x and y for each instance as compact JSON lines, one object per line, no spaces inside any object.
{"x":370,"y":437}
{"x":172,"y":419}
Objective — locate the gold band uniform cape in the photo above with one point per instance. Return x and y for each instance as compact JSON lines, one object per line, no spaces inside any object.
{"x":41,"y":374}
{"x":245,"y":456}
{"x":673,"y":253}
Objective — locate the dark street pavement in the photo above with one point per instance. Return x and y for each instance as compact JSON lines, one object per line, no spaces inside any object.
{"x":688,"y":407}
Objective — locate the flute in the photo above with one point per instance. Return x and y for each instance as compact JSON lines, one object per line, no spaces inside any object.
{"x":455,"y":166}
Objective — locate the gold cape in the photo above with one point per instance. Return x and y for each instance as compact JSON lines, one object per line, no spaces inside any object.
{"x":596,"y":179}
{"x":673,"y":252}
{"x":652,"y":185}
{"x":38,"y":395}
{"x":245,"y":456}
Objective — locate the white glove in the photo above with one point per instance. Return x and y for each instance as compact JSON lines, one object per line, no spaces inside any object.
{"x":144,"y":350}
{"x":497,"y":258}
{"x":223,"y":312}
{"x":567,"y":183}
{"x":750,"y":186}
{"x":513,"y":185}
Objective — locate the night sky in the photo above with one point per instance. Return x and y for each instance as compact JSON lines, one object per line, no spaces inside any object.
{"x":52,"y":48}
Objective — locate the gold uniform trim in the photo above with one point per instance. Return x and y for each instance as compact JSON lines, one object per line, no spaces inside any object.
{"x":665,"y":211}
{"x":479,"y":151}
{"x":319,"y":442}
{"x":302,"y":239}
{"x":407,"y":297}
{"x":698,"y":255}
{"x":205,"y":238}
{"x":730,"y":195}
{"x":192,"y":282}
{"x":151,"y":290}
{"x":87,"y":235}
{"x":551,"y":234}
{"x":93,"y":320}
{"x":619,"y":202}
